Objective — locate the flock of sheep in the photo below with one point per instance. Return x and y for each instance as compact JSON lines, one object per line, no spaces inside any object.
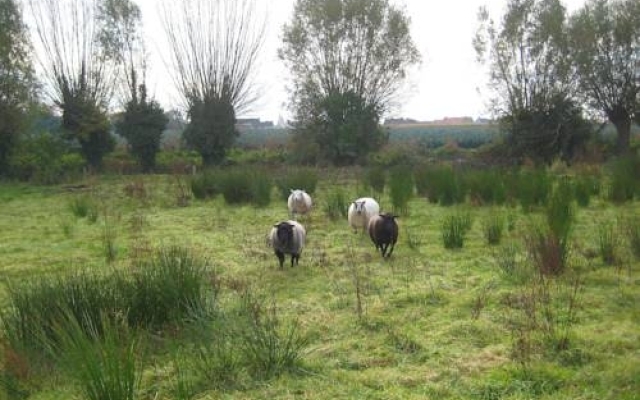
{"x":288,"y":237}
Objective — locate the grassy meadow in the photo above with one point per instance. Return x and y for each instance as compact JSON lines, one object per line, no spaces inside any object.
{"x":464,"y":309}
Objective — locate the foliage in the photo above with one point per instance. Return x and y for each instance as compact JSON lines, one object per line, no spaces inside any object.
{"x":530,"y":74}
{"x":608,"y":243}
{"x":336,"y":205}
{"x":603,"y":38}
{"x":375,"y":178}
{"x":532,"y":187}
{"x":16,"y":79}
{"x":214,"y":48}
{"x":342,"y":126}
{"x":440,"y":184}
{"x":632,"y":231}
{"x":297,"y":178}
{"x":486,"y":187}
{"x":624,"y":179}
{"x":79,"y":79}
{"x":347,"y":60}
{"x":547,"y":129}
{"x":401,"y":188}
{"x":206,"y":184}
{"x":243,"y":185}
{"x":142,"y":125}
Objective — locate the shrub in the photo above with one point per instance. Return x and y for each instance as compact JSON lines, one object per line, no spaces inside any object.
{"x":239,"y":186}
{"x":401,"y":188}
{"x":559,"y":210}
{"x":206,"y":184}
{"x":584,"y":187}
{"x":83,"y":206}
{"x":299,"y":178}
{"x":454,"y":230}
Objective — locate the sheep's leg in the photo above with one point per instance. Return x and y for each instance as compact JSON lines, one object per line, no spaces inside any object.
{"x":383,"y":248}
{"x":280,"y":257}
{"x":391,"y":250}
{"x":296,"y":258}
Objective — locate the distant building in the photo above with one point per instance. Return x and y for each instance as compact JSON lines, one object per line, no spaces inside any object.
{"x":252,"y":123}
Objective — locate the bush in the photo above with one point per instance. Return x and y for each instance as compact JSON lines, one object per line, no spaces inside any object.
{"x":608,"y":243}
{"x":559,"y":210}
{"x":300,"y":178}
{"x":401,"y":188}
{"x":240,"y":186}
{"x":585,"y":186}
{"x":547,"y":252}
{"x":206,"y":184}
{"x":454,"y":230}
{"x":632,"y":230}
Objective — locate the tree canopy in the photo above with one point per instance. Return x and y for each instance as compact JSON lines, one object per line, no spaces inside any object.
{"x":605,"y":51}
{"x":348,"y":59}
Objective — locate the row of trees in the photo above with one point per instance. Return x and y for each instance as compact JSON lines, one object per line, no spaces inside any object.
{"x":550,"y":71}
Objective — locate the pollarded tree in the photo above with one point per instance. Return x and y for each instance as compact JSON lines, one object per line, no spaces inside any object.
{"x":348,"y":59}
{"x":605,"y":50}
{"x":79,"y":76}
{"x":214,"y":46}
{"x":530,"y":75}
{"x":16,"y":79}
{"x":143,"y":120}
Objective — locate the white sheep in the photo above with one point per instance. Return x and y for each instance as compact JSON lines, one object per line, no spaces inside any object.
{"x":360,"y":211}
{"x":299,"y":202}
{"x":287,"y":237}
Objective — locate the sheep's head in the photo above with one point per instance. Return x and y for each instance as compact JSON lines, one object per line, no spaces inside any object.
{"x":297,"y":194}
{"x":359,"y":207}
{"x":284,"y":233}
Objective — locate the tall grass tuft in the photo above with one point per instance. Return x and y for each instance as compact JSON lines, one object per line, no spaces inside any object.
{"x":103,"y":361}
{"x":269,"y":347}
{"x":454,"y":229}
{"x":375,"y":177}
{"x":298,"y":178}
{"x":486,"y":187}
{"x":336,"y":205}
{"x":632,"y":231}
{"x":493,"y":227}
{"x":532,"y":188}
{"x":83,"y":206}
{"x":548,"y":252}
{"x":168,"y":288}
{"x":401,"y":188}
{"x":559,"y":210}
{"x":440,"y":185}
{"x":585,"y":186}
{"x":608,"y":243}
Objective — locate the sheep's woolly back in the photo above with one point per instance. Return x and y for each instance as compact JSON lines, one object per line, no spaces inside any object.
{"x":299,"y":238}
{"x":299,"y":202}
{"x":360,"y":211}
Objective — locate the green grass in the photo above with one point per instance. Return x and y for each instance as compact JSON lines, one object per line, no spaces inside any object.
{"x":433,"y":323}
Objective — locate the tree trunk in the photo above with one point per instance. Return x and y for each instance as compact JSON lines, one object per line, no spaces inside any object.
{"x":621,"y":119}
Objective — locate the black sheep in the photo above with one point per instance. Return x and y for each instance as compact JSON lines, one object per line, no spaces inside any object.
{"x":383,"y":231}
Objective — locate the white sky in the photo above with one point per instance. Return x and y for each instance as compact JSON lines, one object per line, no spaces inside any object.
{"x":448,"y":83}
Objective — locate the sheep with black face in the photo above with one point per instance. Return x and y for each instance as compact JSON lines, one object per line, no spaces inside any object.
{"x":383,"y":230}
{"x":287,"y":237}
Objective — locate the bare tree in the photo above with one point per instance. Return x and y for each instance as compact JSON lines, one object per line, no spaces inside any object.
{"x":78,"y":75}
{"x":214,"y":46}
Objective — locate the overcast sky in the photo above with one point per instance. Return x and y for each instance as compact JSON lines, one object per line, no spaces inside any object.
{"x":448,"y":83}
